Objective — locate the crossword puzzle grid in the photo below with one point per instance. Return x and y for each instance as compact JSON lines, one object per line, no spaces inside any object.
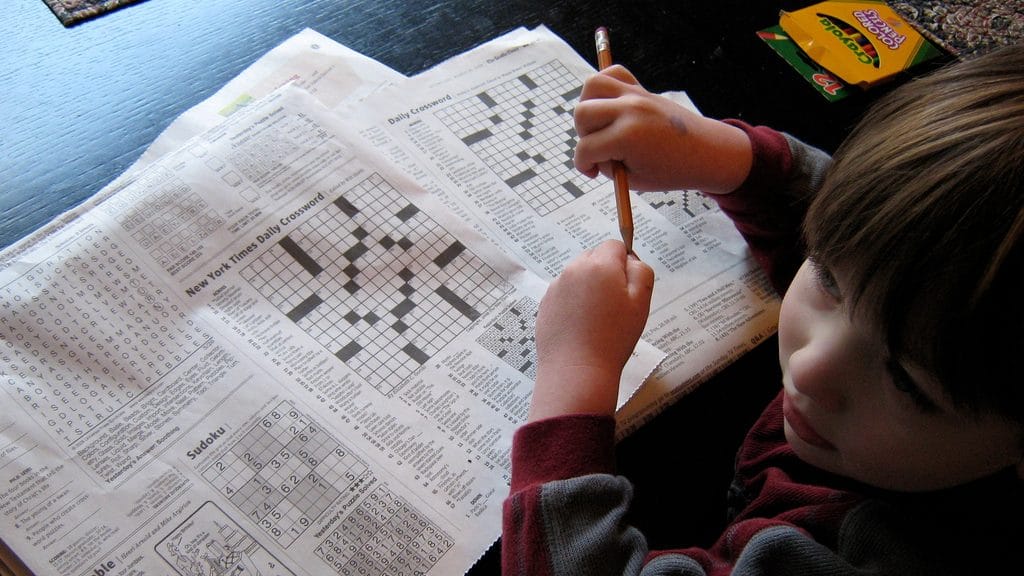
{"x":511,"y":337}
{"x":679,"y":206}
{"x":284,"y":472}
{"x":377,"y":282}
{"x":523,"y":130}
{"x":385,"y":536}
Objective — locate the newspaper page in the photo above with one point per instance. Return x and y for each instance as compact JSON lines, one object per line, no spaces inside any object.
{"x":490,"y":133}
{"x":332,"y":72}
{"x":712,"y":303}
{"x":269,"y":353}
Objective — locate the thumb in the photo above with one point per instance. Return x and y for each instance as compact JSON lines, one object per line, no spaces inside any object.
{"x":639,"y":276}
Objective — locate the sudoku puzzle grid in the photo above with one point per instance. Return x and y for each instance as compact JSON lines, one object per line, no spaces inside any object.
{"x":284,"y":472}
{"x":377,"y":282}
{"x":287,"y":470}
{"x":523,"y":130}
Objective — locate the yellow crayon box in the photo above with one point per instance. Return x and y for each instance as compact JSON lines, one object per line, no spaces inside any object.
{"x":861,"y":42}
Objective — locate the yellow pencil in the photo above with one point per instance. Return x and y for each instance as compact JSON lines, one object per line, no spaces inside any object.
{"x":622,"y":207}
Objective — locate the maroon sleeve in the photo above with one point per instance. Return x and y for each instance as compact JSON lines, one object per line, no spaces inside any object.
{"x":543,"y":451}
{"x":562,"y":447}
{"x":765,"y":209}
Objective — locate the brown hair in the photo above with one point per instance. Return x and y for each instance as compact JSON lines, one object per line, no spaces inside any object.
{"x":924,"y":206}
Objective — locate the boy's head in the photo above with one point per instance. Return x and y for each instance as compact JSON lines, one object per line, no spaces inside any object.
{"x":917,"y":236}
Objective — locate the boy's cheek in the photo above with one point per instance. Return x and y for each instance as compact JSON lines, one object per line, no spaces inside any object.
{"x":791,"y":320}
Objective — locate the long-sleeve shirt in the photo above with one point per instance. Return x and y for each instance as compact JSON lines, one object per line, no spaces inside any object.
{"x":566,"y":510}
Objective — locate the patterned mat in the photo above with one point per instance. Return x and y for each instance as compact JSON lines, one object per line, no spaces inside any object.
{"x":73,"y":11}
{"x":966,"y":28}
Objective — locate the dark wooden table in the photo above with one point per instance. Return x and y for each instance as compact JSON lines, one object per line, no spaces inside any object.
{"x":78,"y":105}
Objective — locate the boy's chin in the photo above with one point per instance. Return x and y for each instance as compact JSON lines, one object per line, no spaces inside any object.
{"x":824,"y":459}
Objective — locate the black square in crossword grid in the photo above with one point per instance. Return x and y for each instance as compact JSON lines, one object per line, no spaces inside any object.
{"x":377,"y":282}
{"x":511,"y":337}
{"x":523,"y":130}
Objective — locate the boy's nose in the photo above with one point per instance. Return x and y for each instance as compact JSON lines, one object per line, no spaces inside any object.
{"x":815,"y":373}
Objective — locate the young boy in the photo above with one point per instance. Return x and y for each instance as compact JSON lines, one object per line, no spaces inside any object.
{"x":896,"y":444}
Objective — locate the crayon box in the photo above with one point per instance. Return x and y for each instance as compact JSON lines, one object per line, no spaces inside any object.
{"x":861,"y":42}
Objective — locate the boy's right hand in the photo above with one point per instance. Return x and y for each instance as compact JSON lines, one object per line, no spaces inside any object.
{"x":589,"y":321}
{"x":662,"y":145}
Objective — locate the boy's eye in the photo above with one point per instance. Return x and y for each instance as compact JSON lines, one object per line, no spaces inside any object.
{"x":904,"y":383}
{"x":826,"y":281}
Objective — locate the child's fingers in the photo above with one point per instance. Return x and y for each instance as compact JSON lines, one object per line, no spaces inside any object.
{"x":639,"y":277}
{"x":621,"y":73}
{"x":608,"y":83}
{"x":593,"y":154}
{"x":612,"y":249}
{"x":595,"y":115}
{"x":597,"y":143}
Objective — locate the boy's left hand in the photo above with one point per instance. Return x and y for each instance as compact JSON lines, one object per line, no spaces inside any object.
{"x":662,"y":145}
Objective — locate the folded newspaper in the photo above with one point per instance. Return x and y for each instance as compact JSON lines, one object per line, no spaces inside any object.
{"x":297,"y":336}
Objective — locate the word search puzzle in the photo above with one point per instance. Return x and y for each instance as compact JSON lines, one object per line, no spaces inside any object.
{"x":523,"y":130}
{"x":377,"y":282}
{"x":84,"y":333}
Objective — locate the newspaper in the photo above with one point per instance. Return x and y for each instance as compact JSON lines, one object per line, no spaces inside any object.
{"x":334,"y":73}
{"x":490,"y":133}
{"x":299,"y":340}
